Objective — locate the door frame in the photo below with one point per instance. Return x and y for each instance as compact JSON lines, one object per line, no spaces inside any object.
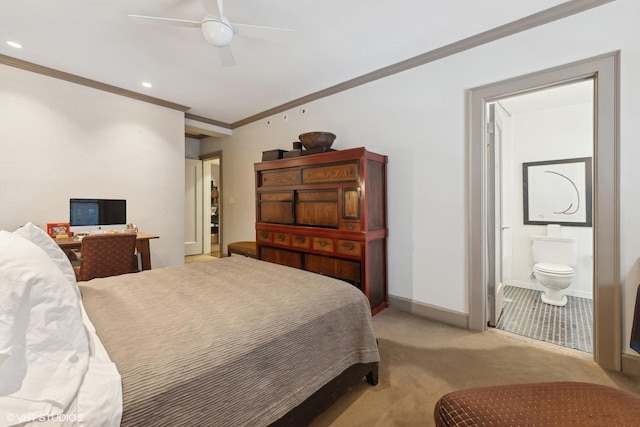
{"x":206,"y":224}
{"x":605,"y":70}
{"x":193,"y":243}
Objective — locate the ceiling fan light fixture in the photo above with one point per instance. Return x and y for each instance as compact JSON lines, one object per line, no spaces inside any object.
{"x":217,"y":30}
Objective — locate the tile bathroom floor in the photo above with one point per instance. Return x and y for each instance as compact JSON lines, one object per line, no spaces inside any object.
{"x":570,"y":326}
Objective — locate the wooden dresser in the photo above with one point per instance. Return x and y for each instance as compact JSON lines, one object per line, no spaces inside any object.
{"x":327,"y":213}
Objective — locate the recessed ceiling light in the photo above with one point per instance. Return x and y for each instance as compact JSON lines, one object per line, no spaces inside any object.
{"x":147,"y":84}
{"x":14,"y":44}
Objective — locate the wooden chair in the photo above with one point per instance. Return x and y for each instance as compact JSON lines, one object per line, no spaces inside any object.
{"x":108,"y":254}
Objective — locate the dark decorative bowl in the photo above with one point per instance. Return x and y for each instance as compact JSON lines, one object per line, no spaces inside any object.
{"x":313,"y":140}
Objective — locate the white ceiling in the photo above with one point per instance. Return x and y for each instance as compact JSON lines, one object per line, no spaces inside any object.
{"x":334,"y":41}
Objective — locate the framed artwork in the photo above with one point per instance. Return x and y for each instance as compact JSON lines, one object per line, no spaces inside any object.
{"x":558,"y":192}
{"x":58,"y":229}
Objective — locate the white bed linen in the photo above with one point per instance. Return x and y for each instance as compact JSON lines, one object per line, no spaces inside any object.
{"x":33,"y":295}
{"x":99,"y":399}
{"x":42,"y":338}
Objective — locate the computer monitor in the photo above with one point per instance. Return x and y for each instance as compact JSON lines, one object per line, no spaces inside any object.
{"x":97,"y":214}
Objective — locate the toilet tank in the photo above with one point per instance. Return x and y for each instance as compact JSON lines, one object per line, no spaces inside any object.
{"x":555,"y":250}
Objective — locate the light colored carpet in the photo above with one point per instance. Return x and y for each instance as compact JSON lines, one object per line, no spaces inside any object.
{"x":423,"y":360}
{"x":215,"y":253}
{"x":199,"y":258}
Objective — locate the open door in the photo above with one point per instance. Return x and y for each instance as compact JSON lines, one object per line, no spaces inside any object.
{"x":212,"y":204}
{"x":192,"y":207}
{"x":499,"y":230}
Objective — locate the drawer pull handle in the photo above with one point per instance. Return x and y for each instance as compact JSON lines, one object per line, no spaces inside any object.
{"x":348,"y":246}
{"x":281,"y":237}
{"x":300,"y":239}
{"x":351,"y":226}
{"x":264,"y":234}
{"x":352,"y":172}
{"x":323,"y":243}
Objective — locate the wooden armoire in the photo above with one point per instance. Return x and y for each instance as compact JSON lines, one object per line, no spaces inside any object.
{"x":327,"y":213}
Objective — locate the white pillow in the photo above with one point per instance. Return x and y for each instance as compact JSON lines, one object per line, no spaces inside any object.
{"x":36,"y":235}
{"x":42,"y":337}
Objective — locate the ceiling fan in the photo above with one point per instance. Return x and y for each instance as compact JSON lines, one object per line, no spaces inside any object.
{"x":216,"y":29}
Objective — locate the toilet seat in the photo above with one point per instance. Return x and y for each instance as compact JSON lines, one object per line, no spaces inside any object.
{"x":555,"y":269}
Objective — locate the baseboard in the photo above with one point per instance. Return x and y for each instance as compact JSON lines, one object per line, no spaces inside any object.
{"x":630,"y":364}
{"x":428,"y":311}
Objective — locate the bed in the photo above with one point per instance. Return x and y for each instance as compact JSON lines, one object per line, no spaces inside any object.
{"x":233,"y":341}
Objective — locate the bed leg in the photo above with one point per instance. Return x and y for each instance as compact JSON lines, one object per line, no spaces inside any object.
{"x":372,"y":377}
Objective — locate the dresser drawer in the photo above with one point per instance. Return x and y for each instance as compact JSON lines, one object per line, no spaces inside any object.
{"x":322,"y":244}
{"x":317,"y":208}
{"x":298,"y":241}
{"x":349,"y":247}
{"x":281,"y":238}
{"x":264,"y":236}
{"x":280,"y":177}
{"x":351,"y":226}
{"x":351,"y":203}
{"x":332,"y":173}
{"x":276,"y":207}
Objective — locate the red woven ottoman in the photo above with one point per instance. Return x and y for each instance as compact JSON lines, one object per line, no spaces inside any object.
{"x":539,"y":404}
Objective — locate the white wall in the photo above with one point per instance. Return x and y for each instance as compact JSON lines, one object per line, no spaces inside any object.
{"x":419,"y":119}
{"x":60,"y":140}
{"x":550,"y":134}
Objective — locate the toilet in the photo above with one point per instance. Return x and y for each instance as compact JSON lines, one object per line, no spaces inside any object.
{"x":554,"y":257}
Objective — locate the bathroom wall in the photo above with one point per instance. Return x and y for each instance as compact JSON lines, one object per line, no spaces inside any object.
{"x":550,"y":134}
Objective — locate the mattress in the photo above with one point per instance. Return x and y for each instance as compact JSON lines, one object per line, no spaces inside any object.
{"x":233,"y":341}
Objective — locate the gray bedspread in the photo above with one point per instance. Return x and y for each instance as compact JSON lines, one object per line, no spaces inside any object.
{"x":227,"y":342}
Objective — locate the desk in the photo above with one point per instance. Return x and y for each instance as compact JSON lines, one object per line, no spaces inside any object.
{"x":142,"y":246}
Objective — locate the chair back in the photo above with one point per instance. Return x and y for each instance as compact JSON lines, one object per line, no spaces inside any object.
{"x":108,"y":254}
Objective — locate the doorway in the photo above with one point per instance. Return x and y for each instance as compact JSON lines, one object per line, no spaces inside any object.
{"x":546,"y":131}
{"x":212,"y":221}
{"x":192,"y":207}
{"x":604,"y":70}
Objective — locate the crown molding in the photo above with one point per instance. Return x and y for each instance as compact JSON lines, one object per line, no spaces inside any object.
{"x":50,"y":72}
{"x":552,"y":14}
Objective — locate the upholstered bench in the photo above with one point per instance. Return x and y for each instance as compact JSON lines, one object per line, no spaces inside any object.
{"x":247,"y":249}
{"x":539,"y":404}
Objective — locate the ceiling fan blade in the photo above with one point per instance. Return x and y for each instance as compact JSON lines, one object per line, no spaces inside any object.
{"x":171,"y":21}
{"x":226,"y":56}
{"x":240,"y":27}
{"x":212,"y":6}
{"x":262,"y":33}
